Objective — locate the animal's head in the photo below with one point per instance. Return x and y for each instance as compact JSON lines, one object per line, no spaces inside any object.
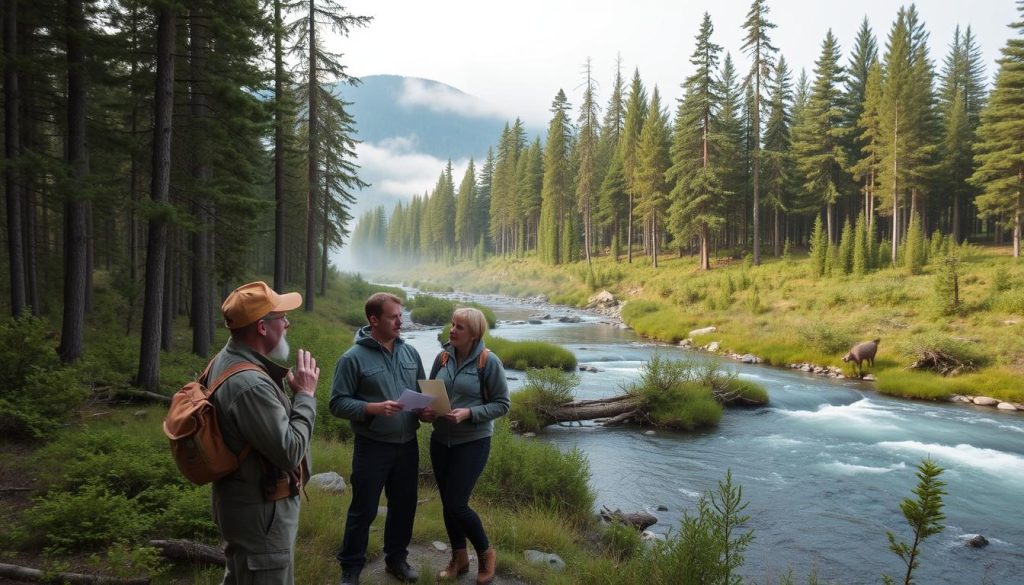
{"x":848,"y":357}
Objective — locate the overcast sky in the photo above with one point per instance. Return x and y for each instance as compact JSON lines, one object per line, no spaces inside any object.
{"x":515,"y":55}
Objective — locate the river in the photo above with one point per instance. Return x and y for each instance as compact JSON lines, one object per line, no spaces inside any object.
{"x":824,"y":466}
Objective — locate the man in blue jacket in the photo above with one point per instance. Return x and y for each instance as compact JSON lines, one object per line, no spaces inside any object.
{"x":368,"y":381}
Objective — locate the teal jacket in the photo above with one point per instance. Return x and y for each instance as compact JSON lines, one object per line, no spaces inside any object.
{"x":253,"y":409}
{"x":369,"y":373}
{"x":463,"y":384}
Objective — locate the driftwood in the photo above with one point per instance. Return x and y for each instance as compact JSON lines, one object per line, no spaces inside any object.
{"x":189,"y":550}
{"x":638,"y":520}
{"x":30,"y":575}
{"x":942,"y":362}
{"x":621,"y":409}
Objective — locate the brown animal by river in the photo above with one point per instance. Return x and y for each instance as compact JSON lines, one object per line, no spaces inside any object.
{"x":863,"y":351}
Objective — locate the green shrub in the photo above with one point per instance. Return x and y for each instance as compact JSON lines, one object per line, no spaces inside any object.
{"x":677,"y":393}
{"x":621,"y":541}
{"x":86,"y":519}
{"x":524,"y":472}
{"x":428,"y":310}
{"x":1011,"y":301}
{"x":522,"y":355}
{"x":544,"y":389}
{"x":825,"y":337}
{"x":39,"y":394}
{"x":181,"y":511}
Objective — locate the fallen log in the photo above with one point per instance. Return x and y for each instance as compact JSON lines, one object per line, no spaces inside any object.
{"x":189,"y":550}
{"x":608,"y":408}
{"x":638,"y":520}
{"x":30,"y":575}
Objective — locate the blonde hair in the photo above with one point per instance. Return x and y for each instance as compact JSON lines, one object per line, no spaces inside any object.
{"x":473,"y":319}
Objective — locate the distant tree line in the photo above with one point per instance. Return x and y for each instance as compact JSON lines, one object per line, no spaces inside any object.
{"x":746,"y":159}
{"x":176,"y":147}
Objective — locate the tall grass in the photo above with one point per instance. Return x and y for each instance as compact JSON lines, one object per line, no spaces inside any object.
{"x":520,"y":355}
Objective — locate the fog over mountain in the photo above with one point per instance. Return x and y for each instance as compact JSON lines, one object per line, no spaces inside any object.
{"x":410,"y":128}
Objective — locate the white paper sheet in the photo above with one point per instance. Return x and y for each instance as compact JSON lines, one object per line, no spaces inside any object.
{"x":414,"y":400}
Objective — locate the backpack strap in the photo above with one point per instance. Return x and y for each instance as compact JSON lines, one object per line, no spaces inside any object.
{"x":439,"y":362}
{"x":231,"y":371}
{"x":480,"y":365}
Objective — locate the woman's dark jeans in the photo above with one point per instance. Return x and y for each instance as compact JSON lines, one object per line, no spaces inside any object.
{"x":456,"y":469}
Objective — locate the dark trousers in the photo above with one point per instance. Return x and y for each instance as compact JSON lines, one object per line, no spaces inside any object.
{"x":376,"y":466}
{"x":456,"y":469}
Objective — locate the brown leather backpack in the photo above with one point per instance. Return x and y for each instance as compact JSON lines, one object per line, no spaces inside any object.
{"x":197,"y":444}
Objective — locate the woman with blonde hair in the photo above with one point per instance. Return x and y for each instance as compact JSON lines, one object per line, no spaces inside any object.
{"x":461,"y":442}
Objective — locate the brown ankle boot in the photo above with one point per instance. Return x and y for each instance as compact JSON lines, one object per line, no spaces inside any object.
{"x":488,"y":565}
{"x":459,"y":565}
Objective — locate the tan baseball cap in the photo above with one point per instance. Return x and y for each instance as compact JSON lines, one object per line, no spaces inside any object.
{"x":251,"y":302}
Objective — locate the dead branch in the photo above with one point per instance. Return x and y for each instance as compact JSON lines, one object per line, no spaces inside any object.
{"x":638,"y":520}
{"x":942,"y":362}
{"x":30,"y":575}
{"x":189,"y":550}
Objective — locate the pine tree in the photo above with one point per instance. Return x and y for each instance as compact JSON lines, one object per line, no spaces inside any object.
{"x":636,"y":113}
{"x":760,"y":49}
{"x":819,"y":249}
{"x":844,"y":259}
{"x":613,"y":201}
{"x":586,"y":174}
{"x":867,"y":166}
{"x":697,"y":195}
{"x":819,"y":155}
{"x":609,"y":212}
{"x":465,"y":228}
{"x":554,"y":238}
{"x":916,"y":247}
{"x":999,"y":155}
{"x":861,"y":247}
{"x":777,"y":166}
{"x":861,"y":104}
{"x":651,"y":165}
{"x":530,"y":184}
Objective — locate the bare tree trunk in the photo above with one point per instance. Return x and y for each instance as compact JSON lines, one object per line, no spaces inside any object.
{"x":12,"y":152}
{"x":201,"y":302}
{"x":279,"y":257}
{"x":314,"y":181}
{"x":28,"y":143}
{"x":75,"y":206}
{"x":149,"y":355}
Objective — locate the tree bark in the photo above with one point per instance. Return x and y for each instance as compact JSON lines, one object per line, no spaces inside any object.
{"x":314,"y":181}
{"x":75,"y":206}
{"x":29,"y":575}
{"x":149,"y":355}
{"x":201,"y":302}
{"x":12,"y":154}
{"x":638,"y":520}
{"x":279,"y":257}
{"x":188,"y":550}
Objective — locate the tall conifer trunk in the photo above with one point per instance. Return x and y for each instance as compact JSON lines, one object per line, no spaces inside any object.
{"x":75,"y":206}
{"x":149,"y":355}
{"x":201,"y":265}
{"x":12,"y":152}
{"x":279,"y":257}
{"x":313,"y":173}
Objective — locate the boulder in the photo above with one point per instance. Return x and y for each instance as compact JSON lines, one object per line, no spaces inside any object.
{"x":329,"y":482}
{"x":1006,"y":406}
{"x":702,"y":331}
{"x":648,"y":536}
{"x":569,"y":319}
{"x":550,"y":560}
{"x":978,"y":541}
{"x":439,"y":546}
{"x":535,"y":322}
{"x":749,"y":358}
{"x":985,"y":401}
{"x":686,"y":343}
{"x":712,"y":347}
{"x":602,"y":299}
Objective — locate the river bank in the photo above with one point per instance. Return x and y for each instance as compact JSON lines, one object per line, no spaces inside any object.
{"x":783,"y":316}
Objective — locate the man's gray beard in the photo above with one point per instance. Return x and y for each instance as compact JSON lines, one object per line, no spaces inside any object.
{"x":281,"y":352}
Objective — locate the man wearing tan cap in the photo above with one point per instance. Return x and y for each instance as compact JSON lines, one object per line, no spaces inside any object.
{"x":257,"y":506}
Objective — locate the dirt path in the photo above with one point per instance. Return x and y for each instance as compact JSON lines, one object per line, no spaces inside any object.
{"x":428,"y":561}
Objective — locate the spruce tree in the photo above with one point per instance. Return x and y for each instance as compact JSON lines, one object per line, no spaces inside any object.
{"x":819,"y":248}
{"x":465,"y":227}
{"x":777,"y":171}
{"x":861,"y":247}
{"x":819,"y":156}
{"x":844,"y":258}
{"x":554,"y":238}
{"x":587,"y":151}
{"x":636,"y":113}
{"x":696,"y":206}
{"x":999,"y":155}
{"x":758,"y":46}
{"x":652,"y":162}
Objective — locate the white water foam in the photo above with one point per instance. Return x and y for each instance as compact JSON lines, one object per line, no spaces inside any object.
{"x":853,"y":469}
{"x":998,"y":463}
{"x":862,"y":413}
{"x":689,"y":493}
